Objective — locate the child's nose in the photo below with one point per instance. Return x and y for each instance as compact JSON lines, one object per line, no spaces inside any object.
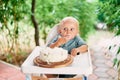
{"x":68,"y":31}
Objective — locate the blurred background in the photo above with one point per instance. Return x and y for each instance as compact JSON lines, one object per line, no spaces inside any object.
{"x":25,"y":24}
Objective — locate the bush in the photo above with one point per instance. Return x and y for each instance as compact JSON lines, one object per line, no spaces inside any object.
{"x":52,"y":11}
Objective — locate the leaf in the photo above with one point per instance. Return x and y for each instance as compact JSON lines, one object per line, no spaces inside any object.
{"x":110,"y":47}
{"x":118,"y":32}
{"x":118,"y":52}
{"x":11,"y":22}
{"x":118,"y":64}
{"x":115,"y":61}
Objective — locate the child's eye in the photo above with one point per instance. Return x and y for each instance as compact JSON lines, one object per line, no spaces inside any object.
{"x":72,"y":29}
{"x":65,"y":29}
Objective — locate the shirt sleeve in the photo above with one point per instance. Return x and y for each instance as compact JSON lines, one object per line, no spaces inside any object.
{"x":80,"y":41}
{"x":53,"y":40}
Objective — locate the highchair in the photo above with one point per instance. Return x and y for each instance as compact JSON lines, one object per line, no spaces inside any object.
{"x":81,"y":66}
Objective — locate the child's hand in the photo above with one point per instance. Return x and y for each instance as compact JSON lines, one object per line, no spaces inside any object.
{"x":61,"y":41}
{"x":74,"y":51}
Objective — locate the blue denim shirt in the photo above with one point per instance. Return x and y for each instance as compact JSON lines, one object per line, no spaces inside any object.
{"x":77,"y":41}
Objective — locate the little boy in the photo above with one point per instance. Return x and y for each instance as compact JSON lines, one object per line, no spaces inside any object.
{"x":68,"y":38}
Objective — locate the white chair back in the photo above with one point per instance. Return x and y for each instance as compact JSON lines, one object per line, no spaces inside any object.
{"x":52,"y":33}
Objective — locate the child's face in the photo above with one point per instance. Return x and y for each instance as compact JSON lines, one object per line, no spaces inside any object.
{"x":68,"y":30}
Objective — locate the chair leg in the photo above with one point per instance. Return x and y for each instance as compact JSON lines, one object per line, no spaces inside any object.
{"x":28,"y":77}
{"x":85,"y":77}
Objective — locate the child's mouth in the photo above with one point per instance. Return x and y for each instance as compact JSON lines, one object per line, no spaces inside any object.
{"x":67,"y":36}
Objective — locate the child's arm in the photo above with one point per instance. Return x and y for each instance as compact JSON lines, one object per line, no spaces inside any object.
{"x":58,"y":43}
{"x":80,"y":49}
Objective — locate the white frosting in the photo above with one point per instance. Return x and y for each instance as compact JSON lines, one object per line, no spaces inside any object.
{"x":53,"y":54}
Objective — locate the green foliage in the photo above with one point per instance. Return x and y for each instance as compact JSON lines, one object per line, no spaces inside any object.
{"x":12,"y":10}
{"x":50,"y":12}
{"x":11,"y":13}
{"x":115,"y":49}
{"x":109,"y":12}
{"x":116,"y":63}
{"x":117,"y":60}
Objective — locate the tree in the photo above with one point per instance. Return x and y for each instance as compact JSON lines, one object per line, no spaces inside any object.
{"x":35,"y":23}
{"x":11,"y":12}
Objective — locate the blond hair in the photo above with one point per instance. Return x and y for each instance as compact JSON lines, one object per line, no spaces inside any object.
{"x":70,"y":20}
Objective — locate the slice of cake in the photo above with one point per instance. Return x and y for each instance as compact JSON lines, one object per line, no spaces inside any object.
{"x":53,"y":54}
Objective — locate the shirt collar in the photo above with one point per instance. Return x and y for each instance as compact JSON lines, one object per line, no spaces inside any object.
{"x":69,"y":42}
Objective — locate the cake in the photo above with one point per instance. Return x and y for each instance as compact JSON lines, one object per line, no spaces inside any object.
{"x":56,"y":54}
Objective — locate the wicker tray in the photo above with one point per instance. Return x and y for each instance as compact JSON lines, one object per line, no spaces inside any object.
{"x":64,"y":63}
